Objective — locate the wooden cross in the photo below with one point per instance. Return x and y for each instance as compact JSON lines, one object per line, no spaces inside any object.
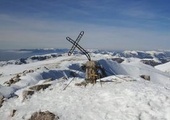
{"x":76,"y":45}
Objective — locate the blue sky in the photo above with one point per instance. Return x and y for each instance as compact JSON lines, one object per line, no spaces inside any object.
{"x":108,"y":24}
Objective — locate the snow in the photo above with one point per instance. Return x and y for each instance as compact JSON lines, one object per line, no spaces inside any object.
{"x":6,"y":91}
{"x":136,"y":69}
{"x":111,"y":67}
{"x":131,"y":52}
{"x":122,"y":95}
{"x":164,"y":67}
{"x":126,"y":100}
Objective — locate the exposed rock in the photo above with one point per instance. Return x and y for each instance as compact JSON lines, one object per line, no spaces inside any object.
{"x":44,"y":116}
{"x":13,"y":113}
{"x":48,"y":80}
{"x":81,"y":84}
{"x":23,"y":61}
{"x":16,"y":78}
{"x":30,"y":71}
{"x":39,"y":87}
{"x":27,"y":71}
{"x":13,"y":80}
{"x":27,"y":93}
{"x":40,"y":58}
{"x":146,"y":77}
{"x":33,"y":89}
{"x":1,"y":100}
{"x":118,"y":60}
{"x":150,"y":62}
{"x":46,"y":68}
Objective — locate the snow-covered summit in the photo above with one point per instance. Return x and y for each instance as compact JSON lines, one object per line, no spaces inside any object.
{"x":122,"y":95}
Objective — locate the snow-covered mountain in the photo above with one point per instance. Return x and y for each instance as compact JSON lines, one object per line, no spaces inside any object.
{"x":40,"y":84}
{"x":152,"y":58}
{"x":157,"y":56}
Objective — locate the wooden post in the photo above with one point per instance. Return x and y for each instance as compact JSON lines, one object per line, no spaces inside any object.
{"x":91,"y":71}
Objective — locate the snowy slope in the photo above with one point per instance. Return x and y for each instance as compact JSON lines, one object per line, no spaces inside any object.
{"x":136,"y":69}
{"x":123,"y":101}
{"x":123,"y":95}
{"x":164,"y":67}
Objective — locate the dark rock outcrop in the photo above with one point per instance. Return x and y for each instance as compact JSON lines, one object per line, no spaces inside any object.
{"x":39,"y":87}
{"x":150,"y":62}
{"x":13,"y":80}
{"x":12,"y":114}
{"x":33,"y":89}
{"x":44,"y":116}
{"x":146,"y":77}
{"x":118,"y":60}
{"x":26,"y":94}
{"x":1,"y":100}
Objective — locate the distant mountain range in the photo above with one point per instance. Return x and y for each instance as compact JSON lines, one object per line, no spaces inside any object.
{"x":152,"y":58}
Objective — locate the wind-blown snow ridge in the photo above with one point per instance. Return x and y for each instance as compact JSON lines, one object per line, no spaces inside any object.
{"x":164,"y":67}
